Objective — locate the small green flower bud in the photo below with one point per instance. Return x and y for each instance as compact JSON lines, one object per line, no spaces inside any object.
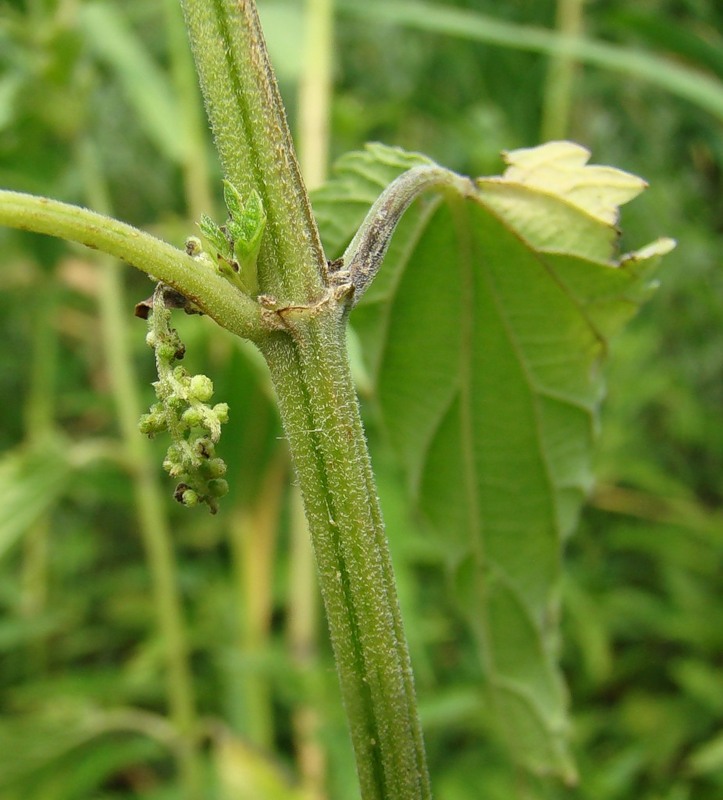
{"x":193,"y":246}
{"x":217,"y":487}
{"x":175,"y":404}
{"x":192,"y":417}
{"x":183,"y":404}
{"x":152,"y":423}
{"x":186,"y":495}
{"x":201,"y":388}
{"x":214,"y":468}
{"x":220,"y":411}
{"x":204,"y":448}
{"x":166,"y":351}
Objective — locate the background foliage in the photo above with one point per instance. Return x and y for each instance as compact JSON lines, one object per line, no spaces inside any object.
{"x":89,"y":113}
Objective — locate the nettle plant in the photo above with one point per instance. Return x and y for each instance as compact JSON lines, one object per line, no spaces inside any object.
{"x":483,"y":333}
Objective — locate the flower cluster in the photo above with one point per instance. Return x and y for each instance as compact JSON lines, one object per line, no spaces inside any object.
{"x":184,"y":411}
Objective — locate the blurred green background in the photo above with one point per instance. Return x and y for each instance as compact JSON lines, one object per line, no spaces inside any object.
{"x":127,"y":622}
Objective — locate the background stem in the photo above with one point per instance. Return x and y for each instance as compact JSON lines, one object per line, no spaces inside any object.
{"x":315,"y":90}
{"x":562,"y":67}
{"x":39,"y":419}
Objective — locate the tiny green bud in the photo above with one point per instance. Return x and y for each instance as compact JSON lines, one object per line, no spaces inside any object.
{"x":152,"y":423}
{"x":166,"y":351}
{"x":183,"y":404}
{"x":192,"y":418}
{"x":217,"y":487}
{"x":200,"y":388}
{"x":220,"y":411}
{"x":193,"y":246}
{"x":215,"y":467}
{"x":203,"y":447}
{"x":186,"y":495}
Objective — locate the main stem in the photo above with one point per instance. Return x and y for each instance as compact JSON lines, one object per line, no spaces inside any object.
{"x":318,"y":404}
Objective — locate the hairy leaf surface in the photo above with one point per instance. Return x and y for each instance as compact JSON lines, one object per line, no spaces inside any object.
{"x":483,"y":333}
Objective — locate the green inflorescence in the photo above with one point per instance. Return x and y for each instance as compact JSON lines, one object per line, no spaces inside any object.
{"x":236,"y":244}
{"x":184,"y":411}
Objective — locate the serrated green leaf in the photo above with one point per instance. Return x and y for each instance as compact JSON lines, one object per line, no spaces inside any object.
{"x":233,"y":200}
{"x":214,"y":236}
{"x":483,"y":332}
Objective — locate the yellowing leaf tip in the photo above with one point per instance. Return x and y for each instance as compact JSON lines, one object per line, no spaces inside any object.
{"x":561,"y":169}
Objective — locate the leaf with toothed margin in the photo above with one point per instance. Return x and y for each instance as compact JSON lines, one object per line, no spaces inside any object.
{"x":483,"y":333}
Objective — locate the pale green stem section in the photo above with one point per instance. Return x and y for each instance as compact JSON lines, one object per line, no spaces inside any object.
{"x":321,"y":416}
{"x":150,"y":505}
{"x":197,"y":281}
{"x":196,"y":180}
{"x":686,"y":82}
{"x":557,"y":102}
{"x":39,"y":417}
{"x":254,"y":143}
{"x":315,"y":91}
{"x":252,"y":536}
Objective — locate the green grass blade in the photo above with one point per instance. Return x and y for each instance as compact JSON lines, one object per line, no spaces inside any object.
{"x":146,"y":87}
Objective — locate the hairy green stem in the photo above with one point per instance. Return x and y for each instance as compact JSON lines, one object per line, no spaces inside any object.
{"x":367,"y":249}
{"x":254,"y":143}
{"x":200,"y":283}
{"x":303,"y":640}
{"x":310,"y":370}
{"x":314,"y":98}
{"x":321,"y":415}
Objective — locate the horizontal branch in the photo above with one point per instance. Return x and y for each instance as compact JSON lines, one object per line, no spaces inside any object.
{"x":208,"y":290}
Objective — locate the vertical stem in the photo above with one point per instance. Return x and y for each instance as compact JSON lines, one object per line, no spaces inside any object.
{"x":321,"y":417}
{"x":154,"y":528}
{"x":254,"y":143}
{"x":195,"y":163}
{"x":315,"y":91}
{"x":252,"y":536}
{"x":319,"y":409}
{"x":39,"y":416}
{"x":557,"y":101}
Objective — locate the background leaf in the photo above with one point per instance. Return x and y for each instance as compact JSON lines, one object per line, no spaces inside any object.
{"x":484,"y":336}
{"x":32,"y":480}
